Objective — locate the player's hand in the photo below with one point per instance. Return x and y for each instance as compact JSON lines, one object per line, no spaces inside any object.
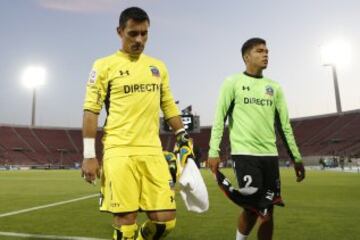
{"x":171,"y":160}
{"x":90,"y":169}
{"x":213,"y":163}
{"x":184,"y":146}
{"x":183,"y":139}
{"x":185,"y":153}
{"x":299,"y":171}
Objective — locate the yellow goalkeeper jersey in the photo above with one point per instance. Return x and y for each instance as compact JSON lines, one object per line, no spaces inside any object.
{"x":133,"y":91}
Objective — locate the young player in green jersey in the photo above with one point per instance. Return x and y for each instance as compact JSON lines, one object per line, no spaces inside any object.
{"x":254,"y":104}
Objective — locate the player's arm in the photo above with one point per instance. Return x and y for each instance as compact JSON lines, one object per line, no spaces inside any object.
{"x":171,"y":111}
{"x":175,"y":123}
{"x":181,"y":135}
{"x":90,"y":166}
{"x":286,"y":133}
{"x":224,"y":105}
{"x":167,"y":102}
{"x":96,"y":90}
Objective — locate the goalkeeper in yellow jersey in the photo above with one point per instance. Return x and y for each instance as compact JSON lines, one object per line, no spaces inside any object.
{"x":133,"y":87}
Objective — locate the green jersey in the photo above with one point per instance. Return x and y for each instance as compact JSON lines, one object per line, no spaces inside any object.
{"x":253,"y":107}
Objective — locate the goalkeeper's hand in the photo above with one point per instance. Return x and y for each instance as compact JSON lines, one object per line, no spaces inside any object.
{"x":171,"y":160}
{"x":183,"y":140}
{"x":299,"y":171}
{"x":90,"y":169}
{"x":185,"y":152}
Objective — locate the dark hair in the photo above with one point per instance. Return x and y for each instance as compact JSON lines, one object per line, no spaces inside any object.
{"x":135,"y":13}
{"x":250,"y":44}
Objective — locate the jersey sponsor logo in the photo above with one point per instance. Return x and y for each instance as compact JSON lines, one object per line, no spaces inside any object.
{"x":245,"y":88}
{"x":150,"y":87}
{"x":154,"y":71}
{"x":124,"y":73}
{"x":269,"y":90}
{"x":92,"y":77}
{"x":258,"y":101}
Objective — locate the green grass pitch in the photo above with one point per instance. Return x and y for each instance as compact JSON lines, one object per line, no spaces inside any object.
{"x":325,"y":206}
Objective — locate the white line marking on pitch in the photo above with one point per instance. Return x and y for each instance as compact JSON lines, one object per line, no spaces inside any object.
{"x":46,"y":206}
{"x":38,"y":236}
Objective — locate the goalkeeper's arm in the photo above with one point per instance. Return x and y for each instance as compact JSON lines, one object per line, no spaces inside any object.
{"x":90,"y":165}
{"x":182,"y":137}
{"x":175,"y":123}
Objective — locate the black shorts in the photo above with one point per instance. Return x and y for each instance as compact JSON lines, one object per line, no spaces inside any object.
{"x":259,"y":179}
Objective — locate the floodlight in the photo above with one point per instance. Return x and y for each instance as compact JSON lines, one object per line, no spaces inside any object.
{"x":33,"y":76}
{"x":336,"y":52}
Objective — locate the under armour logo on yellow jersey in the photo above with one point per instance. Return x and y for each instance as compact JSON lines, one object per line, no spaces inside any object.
{"x":246,"y":88}
{"x":124,"y":73}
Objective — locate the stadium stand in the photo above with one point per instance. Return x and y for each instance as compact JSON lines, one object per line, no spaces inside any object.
{"x":330,"y":134}
{"x":326,"y":135}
